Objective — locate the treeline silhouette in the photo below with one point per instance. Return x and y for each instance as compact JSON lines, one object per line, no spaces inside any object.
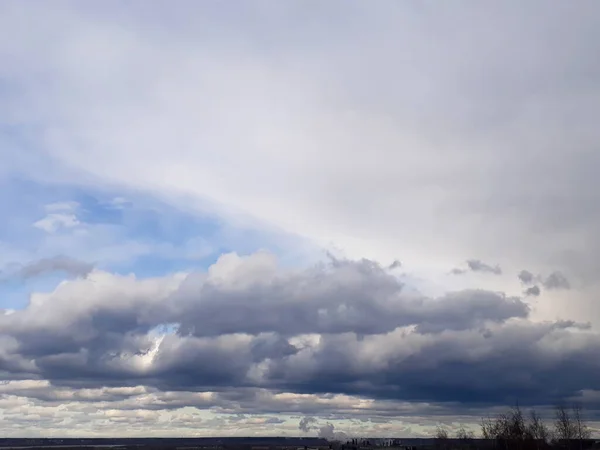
{"x":514,"y":430}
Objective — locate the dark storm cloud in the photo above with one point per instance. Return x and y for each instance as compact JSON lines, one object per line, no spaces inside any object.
{"x":248,"y":324}
{"x":513,"y":363}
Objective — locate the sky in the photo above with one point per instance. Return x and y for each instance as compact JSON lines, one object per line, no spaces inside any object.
{"x":340,"y":218}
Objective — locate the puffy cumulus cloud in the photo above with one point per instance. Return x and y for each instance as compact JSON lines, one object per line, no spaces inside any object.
{"x":342,"y":338}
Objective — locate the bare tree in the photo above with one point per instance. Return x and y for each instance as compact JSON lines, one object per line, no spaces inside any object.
{"x":441,"y":437}
{"x":582,"y":431}
{"x":489,"y":428}
{"x":570,"y":426}
{"x":517,"y":429}
{"x":564,"y":426}
{"x":537,"y":429}
{"x":511,"y":430}
{"x":465,"y":437}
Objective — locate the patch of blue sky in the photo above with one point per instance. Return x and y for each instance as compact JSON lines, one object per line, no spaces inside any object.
{"x":121,"y":232}
{"x":15,"y":292}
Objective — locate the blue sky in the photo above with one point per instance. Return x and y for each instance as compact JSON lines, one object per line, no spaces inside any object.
{"x":117,"y":231}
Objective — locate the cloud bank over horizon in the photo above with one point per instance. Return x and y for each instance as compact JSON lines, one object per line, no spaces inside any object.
{"x":332,"y":218}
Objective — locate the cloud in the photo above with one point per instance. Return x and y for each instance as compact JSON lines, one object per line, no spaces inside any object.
{"x":55,"y":221}
{"x":526,"y":277}
{"x":475,"y":265}
{"x":533,"y":291}
{"x":325,"y":431}
{"x":344,"y":327}
{"x":395,"y":265}
{"x":478,"y":266}
{"x":307,"y":424}
{"x":62,"y":207}
{"x":556,"y":280}
{"x":64,"y":264}
{"x":428,"y":154}
{"x":320,"y":99}
{"x":328,"y":432}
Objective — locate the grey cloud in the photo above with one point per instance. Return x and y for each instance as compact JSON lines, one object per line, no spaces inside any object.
{"x":395,"y":265}
{"x":378,"y":342}
{"x":479,"y":266}
{"x":326,"y":430}
{"x":307,"y":424}
{"x":341,"y":297}
{"x":458,"y":367}
{"x":526,"y":277}
{"x":533,"y":291}
{"x":476,"y":265}
{"x":65,"y":264}
{"x":274,"y":420}
{"x":457,"y":271}
{"x":556,"y":280}
{"x":346,"y":296}
{"x":479,"y":306}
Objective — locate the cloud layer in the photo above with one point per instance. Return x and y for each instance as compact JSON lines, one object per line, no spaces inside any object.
{"x":248,"y":325}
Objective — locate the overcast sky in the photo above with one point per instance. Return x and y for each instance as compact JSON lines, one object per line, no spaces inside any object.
{"x":296,"y":218}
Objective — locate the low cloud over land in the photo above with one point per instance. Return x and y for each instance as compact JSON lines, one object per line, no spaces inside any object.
{"x":248,"y":334}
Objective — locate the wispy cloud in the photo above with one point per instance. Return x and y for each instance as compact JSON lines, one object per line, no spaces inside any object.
{"x":55,"y":221}
{"x":64,"y":264}
{"x":476,"y":265}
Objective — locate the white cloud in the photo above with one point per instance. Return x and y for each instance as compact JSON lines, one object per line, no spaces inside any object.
{"x":55,"y":221}
{"x":63,"y":207}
